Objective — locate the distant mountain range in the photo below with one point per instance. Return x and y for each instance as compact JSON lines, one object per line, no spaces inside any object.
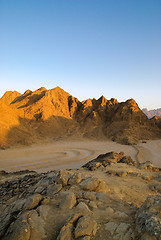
{"x":152,"y":113}
{"x":45,"y":115}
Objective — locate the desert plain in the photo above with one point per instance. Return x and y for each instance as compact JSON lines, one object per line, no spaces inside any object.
{"x":73,"y":154}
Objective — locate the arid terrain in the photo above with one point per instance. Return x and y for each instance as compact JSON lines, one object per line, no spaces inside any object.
{"x":73,"y":154}
{"x":78,"y":170}
{"x":58,"y":155}
{"x":46,"y":115}
{"x":111,"y":197}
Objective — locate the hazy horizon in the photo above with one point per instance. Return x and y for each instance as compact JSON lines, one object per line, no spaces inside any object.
{"x":88,"y":48}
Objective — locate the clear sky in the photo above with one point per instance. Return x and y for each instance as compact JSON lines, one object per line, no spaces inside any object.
{"x":88,"y":47}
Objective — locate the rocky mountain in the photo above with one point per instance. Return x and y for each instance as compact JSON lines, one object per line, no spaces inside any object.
{"x":110,"y":197}
{"x":44,"y":115}
{"x":152,"y":113}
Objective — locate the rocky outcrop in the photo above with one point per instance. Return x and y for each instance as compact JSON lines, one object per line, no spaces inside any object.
{"x":111,"y":197}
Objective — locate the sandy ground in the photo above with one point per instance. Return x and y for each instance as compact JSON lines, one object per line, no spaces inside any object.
{"x":150,"y":151}
{"x":59,"y":154}
{"x":73,"y":154}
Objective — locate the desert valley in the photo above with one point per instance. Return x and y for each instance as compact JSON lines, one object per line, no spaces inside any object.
{"x":78,"y":170}
{"x":80,"y":120}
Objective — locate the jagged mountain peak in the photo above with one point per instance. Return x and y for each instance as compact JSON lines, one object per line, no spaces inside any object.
{"x":9,"y":96}
{"x":54,"y":112}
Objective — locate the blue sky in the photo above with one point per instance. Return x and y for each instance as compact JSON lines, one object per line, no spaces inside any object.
{"x":88,"y":47}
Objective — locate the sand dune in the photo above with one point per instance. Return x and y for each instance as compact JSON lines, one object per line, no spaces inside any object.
{"x":56,"y":155}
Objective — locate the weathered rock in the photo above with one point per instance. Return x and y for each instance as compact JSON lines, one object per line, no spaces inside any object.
{"x":89,"y":195}
{"x":102,"y":187}
{"x":148,"y":222}
{"x":111,"y":227}
{"x":62,"y":178}
{"x":128,"y":160}
{"x":122,"y":229}
{"x":109,"y":210}
{"x":119,"y":231}
{"x":45,"y":201}
{"x":147,"y":177}
{"x":41,"y":185}
{"x":19,"y":230}
{"x":5,"y":220}
{"x":44,"y":211}
{"x":33,"y":201}
{"x":156,"y":187}
{"x":17,"y":205}
{"x":92,"y":204}
{"x":121,"y":173}
{"x":103,"y":197}
{"x":90,"y":184}
{"x":68,"y":201}
{"x":104,"y":160}
{"x":85,"y":238}
{"x":53,"y":189}
{"x":83,"y":208}
{"x":85,"y":226}
{"x":86,"y":201}
{"x":79,"y":194}
{"x":66,"y":233}
{"x":121,"y":214}
{"x":94,"y":184}
{"x":75,"y":178}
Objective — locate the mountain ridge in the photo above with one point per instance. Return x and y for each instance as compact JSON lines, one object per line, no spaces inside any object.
{"x":153,"y":112}
{"x":50,"y":114}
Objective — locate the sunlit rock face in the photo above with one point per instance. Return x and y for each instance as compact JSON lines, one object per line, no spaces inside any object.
{"x":48,"y":114}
